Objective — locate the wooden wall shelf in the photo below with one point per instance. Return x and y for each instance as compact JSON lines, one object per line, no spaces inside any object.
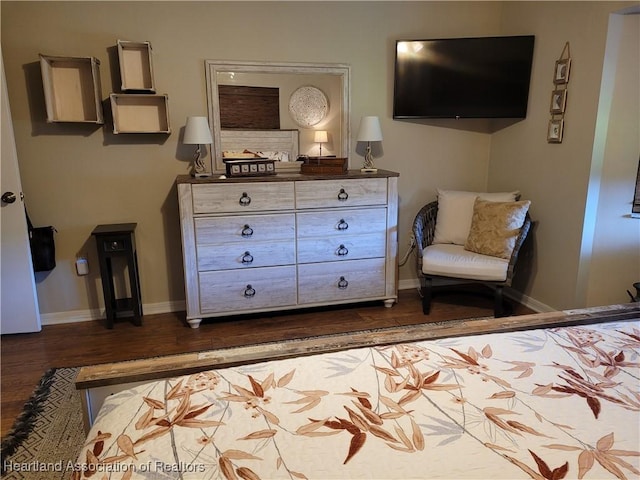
{"x":72,"y":89}
{"x":136,"y":66}
{"x":140,"y":113}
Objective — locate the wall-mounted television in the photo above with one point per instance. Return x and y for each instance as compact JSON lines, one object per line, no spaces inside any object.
{"x":482,"y":77}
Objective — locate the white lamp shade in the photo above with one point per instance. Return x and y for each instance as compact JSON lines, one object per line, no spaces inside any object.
{"x":197,"y":132}
{"x":370,"y":130}
{"x":320,"y":136}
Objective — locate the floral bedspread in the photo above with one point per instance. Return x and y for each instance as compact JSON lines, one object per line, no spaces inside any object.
{"x":542,"y":404}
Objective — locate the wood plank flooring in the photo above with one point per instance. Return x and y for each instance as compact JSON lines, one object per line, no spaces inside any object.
{"x":25,"y":357}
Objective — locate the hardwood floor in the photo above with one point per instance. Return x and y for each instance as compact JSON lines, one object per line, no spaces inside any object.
{"x":25,"y":357}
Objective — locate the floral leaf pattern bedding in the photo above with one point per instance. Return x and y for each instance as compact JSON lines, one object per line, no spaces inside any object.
{"x":541,"y":404}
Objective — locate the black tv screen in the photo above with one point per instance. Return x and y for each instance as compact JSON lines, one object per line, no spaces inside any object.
{"x":484,"y":77}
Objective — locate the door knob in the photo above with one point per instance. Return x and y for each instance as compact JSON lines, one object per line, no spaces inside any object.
{"x":8,"y":197}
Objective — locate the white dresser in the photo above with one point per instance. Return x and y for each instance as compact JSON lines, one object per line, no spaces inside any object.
{"x":287,"y":241}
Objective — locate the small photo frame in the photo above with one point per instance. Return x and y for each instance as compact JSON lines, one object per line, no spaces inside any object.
{"x":561,"y":73}
{"x":558,"y":101}
{"x":555,"y":130}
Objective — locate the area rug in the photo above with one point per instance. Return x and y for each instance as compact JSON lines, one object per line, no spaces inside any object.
{"x":47,"y":437}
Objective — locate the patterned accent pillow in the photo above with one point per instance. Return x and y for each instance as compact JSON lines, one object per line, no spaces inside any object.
{"x":495,"y":227}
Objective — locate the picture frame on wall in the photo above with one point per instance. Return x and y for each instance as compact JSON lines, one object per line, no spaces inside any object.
{"x":555,"y":130}
{"x":558,"y":101}
{"x":561,"y":75}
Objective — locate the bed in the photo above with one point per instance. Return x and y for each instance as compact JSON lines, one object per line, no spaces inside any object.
{"x":544,"y":396}
{"x":279,"y":145}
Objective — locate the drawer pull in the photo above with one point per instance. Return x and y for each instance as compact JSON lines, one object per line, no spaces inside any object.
{"x":342,"y":251}
{"x":247,"y":258}
{"x":249,"y":291}
{"x":247,"y":231}
{"x":342,"y":225}
{"x":342,"y":283}
{"x":343,"y":196}
{"x":245,"y":199}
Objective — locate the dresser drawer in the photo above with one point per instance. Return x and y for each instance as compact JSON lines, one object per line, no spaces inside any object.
{"x":251,"y":289}
{"x":246,"y":229}
{"x":246,"y":255}
{"x":347,"y":247}
{"x":341,"y":193}
{"x":242,"y":197}
{"x":327,"y":282}
{"x":339,"y":223}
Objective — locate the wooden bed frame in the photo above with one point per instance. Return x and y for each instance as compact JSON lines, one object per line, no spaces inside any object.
{"x":96,"y":382}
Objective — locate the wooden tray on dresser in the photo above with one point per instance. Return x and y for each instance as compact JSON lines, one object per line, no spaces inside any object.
{"x":324,"y":165}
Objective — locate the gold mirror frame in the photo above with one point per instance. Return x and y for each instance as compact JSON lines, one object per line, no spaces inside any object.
{"x":213,"y":67}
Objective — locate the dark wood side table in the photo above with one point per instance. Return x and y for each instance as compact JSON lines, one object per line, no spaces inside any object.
{"x":118,"y":240}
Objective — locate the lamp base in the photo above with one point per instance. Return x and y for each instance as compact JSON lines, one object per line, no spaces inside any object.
{"x":369,"y":170}
{"x":201,"y":174}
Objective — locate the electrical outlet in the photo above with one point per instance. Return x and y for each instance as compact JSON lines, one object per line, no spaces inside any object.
{"x":82,"y":266}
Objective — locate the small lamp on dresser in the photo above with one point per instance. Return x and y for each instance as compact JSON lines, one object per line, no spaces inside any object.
{"x":320,"y":137}
{"x":369,"y":131}
{"x":197,"y":132}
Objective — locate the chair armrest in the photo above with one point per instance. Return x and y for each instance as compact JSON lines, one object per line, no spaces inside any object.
{"x":524,"y":231}
{"x":424,"y":226}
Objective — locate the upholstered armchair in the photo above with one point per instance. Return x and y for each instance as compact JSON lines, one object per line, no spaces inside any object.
{"x":478,"y":239}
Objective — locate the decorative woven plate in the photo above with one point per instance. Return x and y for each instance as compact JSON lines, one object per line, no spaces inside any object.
{"x":308,"y":106}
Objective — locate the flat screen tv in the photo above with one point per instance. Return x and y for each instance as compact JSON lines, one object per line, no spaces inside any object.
{"x":484,"y":77}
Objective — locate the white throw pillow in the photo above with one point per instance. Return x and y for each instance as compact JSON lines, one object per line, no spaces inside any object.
{"x":455,"y":211}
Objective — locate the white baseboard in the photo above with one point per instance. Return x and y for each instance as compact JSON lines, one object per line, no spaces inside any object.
{"x":529,"y":302}
{"x":408,"y":284}
{"x":75,"y":316}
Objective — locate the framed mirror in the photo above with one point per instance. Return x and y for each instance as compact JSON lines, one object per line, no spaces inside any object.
{"x":310,"y":97}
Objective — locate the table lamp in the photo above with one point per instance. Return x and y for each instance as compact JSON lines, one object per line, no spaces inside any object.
{"x":369,"y":131}
{"x":197,"y":132}
{"x":320,"y":137}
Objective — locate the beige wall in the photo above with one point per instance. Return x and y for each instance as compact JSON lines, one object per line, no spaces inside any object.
{"x":78,"y":176}
{"x":556,"y":177}
{"x":615,"y":259}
